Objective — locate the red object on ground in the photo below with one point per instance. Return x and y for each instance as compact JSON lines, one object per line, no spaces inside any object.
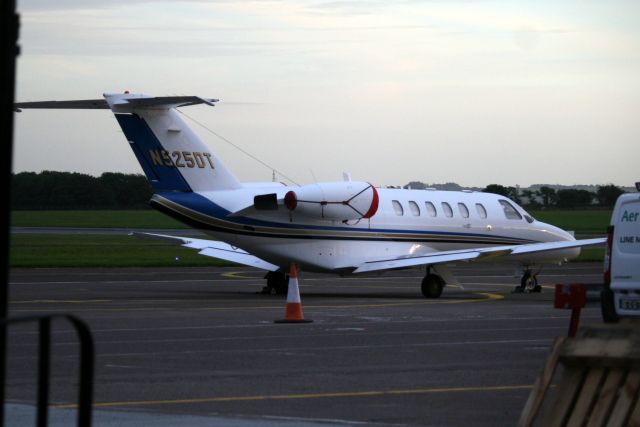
{"x":573,"y":297}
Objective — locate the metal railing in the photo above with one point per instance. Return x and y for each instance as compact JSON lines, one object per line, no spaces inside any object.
{"x":87,"y":356}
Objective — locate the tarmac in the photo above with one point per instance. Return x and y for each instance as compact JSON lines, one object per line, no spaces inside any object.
{"x":198,"y":346}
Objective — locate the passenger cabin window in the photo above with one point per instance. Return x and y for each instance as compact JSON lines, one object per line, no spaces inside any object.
{"x":464,"y":211}
{"x":509,"y":211}
{"x":431,"y":209}
{"x":415,"y":210}
{"x":446,"y":207}
{"x":482,"y":212}
{"x":397,"y":207}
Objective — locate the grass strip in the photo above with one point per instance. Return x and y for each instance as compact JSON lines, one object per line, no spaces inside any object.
{"x":94,"y":219}
{"x":58,"y":250}
{"x":584,"y":222}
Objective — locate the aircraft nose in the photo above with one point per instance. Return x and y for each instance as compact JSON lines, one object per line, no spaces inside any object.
{"x":565,"y":234}
{"x":557,"y":233}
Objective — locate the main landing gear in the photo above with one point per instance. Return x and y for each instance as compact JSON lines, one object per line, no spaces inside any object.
{"x":529,"y":282}
{"x":277,"y":283}
{"x":432,"y":285}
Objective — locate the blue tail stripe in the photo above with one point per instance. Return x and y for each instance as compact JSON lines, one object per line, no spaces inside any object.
{"x":142,"y":141}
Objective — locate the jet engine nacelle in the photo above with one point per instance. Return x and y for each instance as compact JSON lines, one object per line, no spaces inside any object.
{"x":340,"y":201}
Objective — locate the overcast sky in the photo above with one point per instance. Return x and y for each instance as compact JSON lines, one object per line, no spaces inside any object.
{"x":474,"y":92}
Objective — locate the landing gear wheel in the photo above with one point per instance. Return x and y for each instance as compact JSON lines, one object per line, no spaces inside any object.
{"x":529,"y":283}
{"x":432,"y":286}
{"x":277,"y":283}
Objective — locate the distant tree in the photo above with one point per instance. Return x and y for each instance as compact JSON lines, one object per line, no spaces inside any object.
{"x":548,"y":196}
{"x":530,"y":195}
{"x":66,"y":190}
{"x":514,"y":194}
{"x":128,"y":190}
{"x":509,"y":192}
{"x":497,"y":189}
{"x":572,"y":198}
{"x":448,"y":186}
{"x":416,"y":185}
{"x":608,"y":194}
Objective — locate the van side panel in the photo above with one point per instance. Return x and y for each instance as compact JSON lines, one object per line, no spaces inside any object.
{"x":625,"y":255}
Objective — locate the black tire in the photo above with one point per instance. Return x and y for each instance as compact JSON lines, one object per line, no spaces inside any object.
{"x":432,"y":286}
{"x":607,"y":307}
{"x":277,"y":282}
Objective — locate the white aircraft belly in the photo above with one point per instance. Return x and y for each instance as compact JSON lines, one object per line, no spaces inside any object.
{"x":325,"y":255}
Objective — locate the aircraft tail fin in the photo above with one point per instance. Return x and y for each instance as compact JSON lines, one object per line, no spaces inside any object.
{"x":171,"y":155}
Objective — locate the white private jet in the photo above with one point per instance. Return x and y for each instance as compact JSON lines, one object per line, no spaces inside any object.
{"x":345,"y":227}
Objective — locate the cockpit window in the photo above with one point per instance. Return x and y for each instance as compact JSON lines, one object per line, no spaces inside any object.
{"x":509,"y":211}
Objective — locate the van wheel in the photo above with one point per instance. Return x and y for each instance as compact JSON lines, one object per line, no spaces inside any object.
{"x":607,"y":306}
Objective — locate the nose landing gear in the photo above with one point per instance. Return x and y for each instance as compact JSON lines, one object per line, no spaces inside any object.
{"x":529,"y":282}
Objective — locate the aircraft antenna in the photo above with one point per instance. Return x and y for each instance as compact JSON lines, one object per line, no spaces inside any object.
{"x":238,"y":148}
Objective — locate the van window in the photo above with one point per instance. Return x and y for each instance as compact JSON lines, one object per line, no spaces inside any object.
{"x":446,"y":207}
{"x":509,"y":211}
{"x":464,"y":211}
{"x":431,"y":209}
{"x":415,"y":210}
{"x":482,"y":212}
{"x":397,"y":207}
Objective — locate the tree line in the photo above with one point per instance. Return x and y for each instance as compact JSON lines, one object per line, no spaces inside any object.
{"x":570,"y":198}
{"x":543,"y":197}
{"x":71,"y":190}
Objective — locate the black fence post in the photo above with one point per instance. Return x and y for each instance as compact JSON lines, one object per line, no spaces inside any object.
{"x":44,"y":369}
{"x":9,"y":24}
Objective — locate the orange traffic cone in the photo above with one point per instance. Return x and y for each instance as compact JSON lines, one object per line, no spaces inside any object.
{"x":293,"y":313}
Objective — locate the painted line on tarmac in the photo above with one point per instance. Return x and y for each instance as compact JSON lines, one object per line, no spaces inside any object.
{"x":59,"y":301}
{"x":240,"y":275}
{"x":123,"y":282}
{"x":300,"y":396}
{"x":487,"y":296}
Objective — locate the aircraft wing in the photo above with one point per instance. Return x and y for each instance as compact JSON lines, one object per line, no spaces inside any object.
{"x":214,"y":249}
{"x":473,"y":254}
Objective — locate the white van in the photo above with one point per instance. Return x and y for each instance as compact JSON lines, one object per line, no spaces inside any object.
{"x":621,"y":293}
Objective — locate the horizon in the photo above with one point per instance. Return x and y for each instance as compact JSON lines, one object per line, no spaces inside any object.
{"x":520,"y":187}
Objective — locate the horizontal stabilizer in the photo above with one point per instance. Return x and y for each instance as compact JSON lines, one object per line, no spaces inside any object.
{"x":214,"y":249}
{"x":119,"y":101}
{"x":82,"y":104}
{"x":173,"y":101}
{"x":476,"y":253}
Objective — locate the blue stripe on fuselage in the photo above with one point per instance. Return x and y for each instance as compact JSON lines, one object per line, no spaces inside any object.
{"x":204,"y":206}
{"x":163,"y":177}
